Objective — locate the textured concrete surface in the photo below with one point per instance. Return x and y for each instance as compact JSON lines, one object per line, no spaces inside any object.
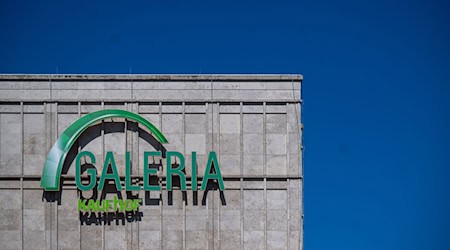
{"x":253,"y":122}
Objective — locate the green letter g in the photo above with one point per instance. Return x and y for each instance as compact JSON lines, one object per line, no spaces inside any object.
{"x":92,"y":172}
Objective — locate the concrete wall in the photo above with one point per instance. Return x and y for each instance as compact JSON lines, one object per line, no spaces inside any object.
{"x":251,"y":121}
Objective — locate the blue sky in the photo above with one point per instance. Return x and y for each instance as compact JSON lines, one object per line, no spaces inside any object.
{"x":376,"y":93}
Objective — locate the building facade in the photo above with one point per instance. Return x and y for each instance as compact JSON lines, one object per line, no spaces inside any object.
{"x":251,"y":122}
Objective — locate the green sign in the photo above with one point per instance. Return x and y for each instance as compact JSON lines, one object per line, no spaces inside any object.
{"x":53,"y":166}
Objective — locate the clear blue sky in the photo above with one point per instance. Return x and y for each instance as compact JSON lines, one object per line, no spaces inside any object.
{"x":376,"y":91}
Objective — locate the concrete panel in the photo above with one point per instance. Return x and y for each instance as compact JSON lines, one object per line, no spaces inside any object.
{"x":195,"y":108}
{"x":88,"y":107}
{"x":34,"y":144}
{"x":115,"y":237}
{"x":114,"y":105}
{"x":253,"y":123}
{"x":37,"y":107}
{"x":91,"y":237}
{"x":173,"y":240}
{"x":68,"y":240}
{"x":118,"y":85}
{"x":294,"y":147}
{"x":276,"y":144}
{"x":11,"y":240}
{"x":195,"y":123}
{"x":91,"y":85}
{"x":294,"y":240}
{"x":276,"y":199}
{"x":65,"y":85}
{"x":10,"y":199}
{"x":253,"y":165}
{"x":230,"y":222}
{"x":276,"y":220}
{"x":10,"y":107}
{"x":196,"y":223}
{"x":232,"y":108}
{"x":253,"y":240}
{"x":33,"y":239}
{"x":33,"y":164}
{"x":253,"y":221}
{"x":172,"y":85}
{"x":291,"y":85}
{"x":11,"y":95}
{"x":230,"y":164}
{"x":226,"y":85}
{"x":276,"y":123}
{"x":276,"y":240}
{"x":149,"y":239}
{"x":35,"y":95}
{"x":10,"y":144}
{"x":196,"y":240}
{"x":286,"y":95}
{"x":33,"y":199}
{"x":253,"y":199}
{"x":166,"y":95}
{"x":230,"y":240}
{"x":254,"y":184}
{"x":33,"y":220}
{"x":253,"y":108}
{"x":198,"y":85}
{"x":65,"y":94}
{"x":10,"y":124}
{"x":253,"y":144}
{"x":276,"y":165}
{"x":196,"y":95}
{"x":34,"y":123}
{"x":230,"y":123}
{"x":230,"y":144}
{"x":145,"y":85}
{"x":196,"y":142}
{"x":148,"y":108}
{"x":10,"y":85}
{"x":175,"y":108}
{"x":293,"y":117}
{"x":65,"y":120}
{"x":294,"y":165}
{"x":172,"y":222}
{"x":233,"y":200}
{"x":172,"y":123}
{"x":176,"y":142}
{"x":276,"y":184}
{"x":252,"y":85}
{"x":154,"y":119}
{"x":10,"y":164}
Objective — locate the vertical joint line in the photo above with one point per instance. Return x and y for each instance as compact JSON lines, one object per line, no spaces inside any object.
{"x":288,"y":170}
{"x":55,"y":113}
{"x":103,"y":157}
{"x":184,"y":151}
{"x":22,"y":164}
{"x":241,"y":156}
{"x":78,"y":150}
{"x":265,"y":175}
{"x":161,"y":217}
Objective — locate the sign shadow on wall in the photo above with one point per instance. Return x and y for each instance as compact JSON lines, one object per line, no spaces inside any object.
{"x":117,"y":217}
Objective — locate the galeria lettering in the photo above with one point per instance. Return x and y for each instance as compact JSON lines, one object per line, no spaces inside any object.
{"x":212,"y":172}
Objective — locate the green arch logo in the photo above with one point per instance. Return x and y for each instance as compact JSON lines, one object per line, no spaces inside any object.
{"x":57,"y":155}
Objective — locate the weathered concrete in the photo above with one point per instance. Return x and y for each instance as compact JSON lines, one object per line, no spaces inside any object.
{"x":251,"y":121}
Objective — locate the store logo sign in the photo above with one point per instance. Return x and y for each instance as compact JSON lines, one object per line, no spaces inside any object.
{"x":51,"y":174}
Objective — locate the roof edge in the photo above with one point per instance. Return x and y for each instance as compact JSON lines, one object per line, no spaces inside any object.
{"x":152,"y":77}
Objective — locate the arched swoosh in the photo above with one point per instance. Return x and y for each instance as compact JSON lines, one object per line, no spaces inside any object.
{"x":55,"y":159}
